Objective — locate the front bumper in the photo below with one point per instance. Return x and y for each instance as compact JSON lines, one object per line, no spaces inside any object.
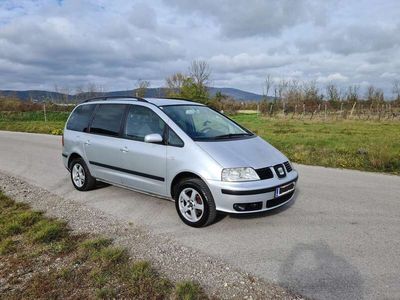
{"x":251,"y":196}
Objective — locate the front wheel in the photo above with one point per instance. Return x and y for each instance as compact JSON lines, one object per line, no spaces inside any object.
{"x":80,"y":175}
{"x":194,"y":203}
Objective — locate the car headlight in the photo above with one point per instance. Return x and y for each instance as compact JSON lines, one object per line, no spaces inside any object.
{"x":239,"y":174}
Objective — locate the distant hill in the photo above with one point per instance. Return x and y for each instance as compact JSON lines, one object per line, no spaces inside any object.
{"x":34,"y":95}
{"x":237,"y":94}
{"x":40,"y":95}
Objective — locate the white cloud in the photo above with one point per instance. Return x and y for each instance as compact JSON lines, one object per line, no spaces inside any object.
{"x":114,"y":43}
{"x":244,"y":61}
{"x":335,"y":77}
{"x":390,"y":75}
{"x":244,"y":18}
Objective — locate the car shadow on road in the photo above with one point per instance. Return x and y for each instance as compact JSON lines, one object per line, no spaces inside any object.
{"x":316,"y":272}
{"x":101,"y":185}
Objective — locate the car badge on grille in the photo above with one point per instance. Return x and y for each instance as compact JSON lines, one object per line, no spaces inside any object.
{"x":281,"y":171}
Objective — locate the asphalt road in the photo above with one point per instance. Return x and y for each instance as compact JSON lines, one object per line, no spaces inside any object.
{"x":339,"y":238}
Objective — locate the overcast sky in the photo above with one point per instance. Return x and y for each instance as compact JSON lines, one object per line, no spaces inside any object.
{"x":115,"y":43}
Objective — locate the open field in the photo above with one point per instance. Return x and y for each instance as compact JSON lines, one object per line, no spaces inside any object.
{"x":354,"y":144}
{"x":33,"y":121}
{"x":41,"y":258}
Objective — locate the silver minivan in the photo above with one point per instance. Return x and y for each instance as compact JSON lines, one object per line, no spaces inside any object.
{"x":179,"y":150}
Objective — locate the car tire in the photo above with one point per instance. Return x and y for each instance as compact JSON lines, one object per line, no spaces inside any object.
{"x":194,"y":203}
{"x":80,"y":175}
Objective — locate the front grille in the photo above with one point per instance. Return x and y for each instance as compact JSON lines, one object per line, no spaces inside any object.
{"x":288,"y":166}
{"x":279,"y":200}
{"x":264,"y":173}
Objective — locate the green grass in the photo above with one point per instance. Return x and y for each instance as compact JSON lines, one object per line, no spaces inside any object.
{"x":91,"y":267}
{"x":7,"y":246}
{"x":188,"y":291}
{"x":47,"y":231}
{"x":353,"y":144}
{"x":33,"y":122}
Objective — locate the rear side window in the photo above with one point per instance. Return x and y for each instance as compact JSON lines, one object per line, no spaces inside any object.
{"x":107,"y":119}
{"x":142,"y":121}
{"x":79,"y":120}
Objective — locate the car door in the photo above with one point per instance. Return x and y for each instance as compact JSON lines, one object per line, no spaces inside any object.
{"x":145,"y":162}
{"x":78,"y":128}
{"x":102,"y":145}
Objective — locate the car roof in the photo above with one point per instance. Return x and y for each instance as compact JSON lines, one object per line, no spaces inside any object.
{"x":170,"y":101}
{"x":154,"y":101}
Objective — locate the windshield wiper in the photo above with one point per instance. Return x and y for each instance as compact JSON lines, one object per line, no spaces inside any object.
{"x":230,"y":135}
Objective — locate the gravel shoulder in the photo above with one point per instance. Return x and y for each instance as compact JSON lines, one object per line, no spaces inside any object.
{"x":177,"y":262}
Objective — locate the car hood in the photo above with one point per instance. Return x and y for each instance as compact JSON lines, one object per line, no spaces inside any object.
{"x":251,"y":152}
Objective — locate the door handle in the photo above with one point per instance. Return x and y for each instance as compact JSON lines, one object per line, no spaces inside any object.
{"x":124,"y":150}
{"x":87,"y":143}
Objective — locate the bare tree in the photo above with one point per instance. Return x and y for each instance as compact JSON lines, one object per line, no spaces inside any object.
{"x":290,"y":91}
{"x":65,"y":91}
{"x":175,"y":83}
{"x":141,"y":87}
{"x":200,"y":72}
{"x":352,"y":93}
{"x":282,"y":87}
{"x":92,"y":90}
{"x":79,"y":94}
{"x":193,"y":85}
{"x":63,"y":94}
{"x":370,"y":93}
{"x":268,"y":84}
{"x":396,"y":89}
{"x":332,"y":93}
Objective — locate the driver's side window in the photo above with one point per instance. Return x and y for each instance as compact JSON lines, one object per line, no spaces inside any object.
{"x":142,"y":121}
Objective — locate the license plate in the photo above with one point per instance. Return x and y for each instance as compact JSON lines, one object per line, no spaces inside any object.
{"x":284,"y":189}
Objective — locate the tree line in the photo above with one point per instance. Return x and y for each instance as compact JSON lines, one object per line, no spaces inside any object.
{"x":284,"y":96}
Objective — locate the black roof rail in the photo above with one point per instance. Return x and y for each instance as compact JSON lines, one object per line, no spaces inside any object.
{"x":115,"y":97}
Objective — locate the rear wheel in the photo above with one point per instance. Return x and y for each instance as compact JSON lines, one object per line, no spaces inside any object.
{"x":80,"y":175}
{"x":194,"y":203}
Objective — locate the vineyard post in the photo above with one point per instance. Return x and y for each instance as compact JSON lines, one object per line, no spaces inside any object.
{"x":352,"y":109}
{"x":44,"y":112}
{"x":341,"y":109}
{"x":294,"y":111}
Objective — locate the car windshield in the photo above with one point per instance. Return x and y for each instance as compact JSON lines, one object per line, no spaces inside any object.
{"x":203,"y":123}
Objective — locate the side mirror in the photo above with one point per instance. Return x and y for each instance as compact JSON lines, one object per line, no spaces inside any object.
{"x":153,"y":138}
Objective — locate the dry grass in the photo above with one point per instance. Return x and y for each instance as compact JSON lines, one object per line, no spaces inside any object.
{"x":42,"y":259}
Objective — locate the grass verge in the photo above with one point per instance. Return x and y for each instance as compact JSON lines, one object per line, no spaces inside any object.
{"x":41,"y":258}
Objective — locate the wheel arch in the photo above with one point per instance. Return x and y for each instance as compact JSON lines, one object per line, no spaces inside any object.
{"x":72,"y":157}
{"x":178,"y":178}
